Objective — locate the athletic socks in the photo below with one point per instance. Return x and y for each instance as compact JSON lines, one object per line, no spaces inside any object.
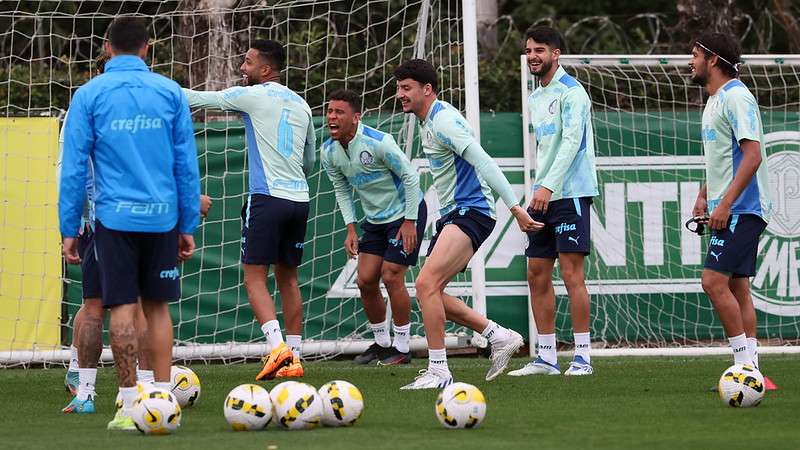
{"x":401,"y":337}
{"x":752,"y":348}
{"x":272,"y":331}
{"x":145,"y":376}
{"x":163,"y":385}
{"x":128,"y":395}
{"x":495,"y":333}
{"x":87,"y":379}
{"x":741,"y":355}
{"x":547,"y":348}
{"x":437,"y":361}
{"x":582,"y":346}
{"x":381,"y":333}
{"x":294,"y":342}
{"x":73,"y":358}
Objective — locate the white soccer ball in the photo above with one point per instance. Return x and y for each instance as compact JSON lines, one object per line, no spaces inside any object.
{"x":460,"y":405}
{"x":156,"y":412}
{"x":297,"y":405}
{"x":140,"y":388}
{"x":185,"y":385}
{"x":248,"y":407}
{"x":741,"y":386}
{"x":342,"y":403}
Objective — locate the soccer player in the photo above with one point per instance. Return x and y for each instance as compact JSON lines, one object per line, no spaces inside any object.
{"x":136,"y":128}
{"x":281,"y":154}
{"x":736,"y":192}
{"x":362,"y":158}
{"x":565,"y":183}
{"x":464,"y":177}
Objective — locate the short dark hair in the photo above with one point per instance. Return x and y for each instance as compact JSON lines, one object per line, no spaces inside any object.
{"x":726,"y":47}
{"x":418,"y":70}
{"x":545,"y":35}
{"x":272,"y":52}
{"x":346,"y":95}
{"x":127,"y":35}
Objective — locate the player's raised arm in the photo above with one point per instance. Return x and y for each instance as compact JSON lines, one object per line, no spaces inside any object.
{"x":237,"y":98}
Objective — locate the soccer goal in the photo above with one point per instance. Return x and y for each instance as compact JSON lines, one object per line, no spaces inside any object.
{"x":644,"y":270}
{"x":48,"y":51}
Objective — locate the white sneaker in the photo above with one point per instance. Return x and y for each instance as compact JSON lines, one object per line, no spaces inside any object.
{"x":501,"y":354}
{"x":429,"y":379}
{"x":579,"y":367}
{"x":537,"y":367}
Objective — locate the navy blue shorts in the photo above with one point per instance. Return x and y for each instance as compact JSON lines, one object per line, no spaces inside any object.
{"x":90,"y":273}
{"x":734,"y":249}
{"x":379,"y":239}
{"x":273,"y":231}
{"x":476,"y":225}
{"x":134,"y":264}
{"x":566,"y":229}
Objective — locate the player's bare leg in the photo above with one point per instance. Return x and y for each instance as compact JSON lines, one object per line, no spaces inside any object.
{"x":88,"y":339}
{"x":255,"y":282}
{"x":144,"y":369}
{"x":740,"y":287}
{"x":716,"y":286}
{"x":394,"y":279}
{"x":368,"y":281}
{"x":159,"y":338}
{"x":292,"y":306}
{"x":572,"y":272}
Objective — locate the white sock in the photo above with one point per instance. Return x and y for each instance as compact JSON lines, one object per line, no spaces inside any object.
{"x":128,"y":395}
{"x":164,"y":385}
{"x":87,"y":379}
{"x":294,"y":341}
{"x":752,"y":348}
{"x":145,"y":376}
{"x":547,"y":348}
{"x":73,"y":358}
{"x":495,"y":333}
{"x":381,"y":333}
{"x":272,"y":331}
{"x":437,"y":360}
{"x":401,"y":337}
{"x":582,"y":346}
{"x":740,"y":353}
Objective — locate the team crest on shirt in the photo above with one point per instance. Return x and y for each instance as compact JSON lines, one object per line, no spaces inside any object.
{"x":366,"y":158}
{"x":553,"y":105}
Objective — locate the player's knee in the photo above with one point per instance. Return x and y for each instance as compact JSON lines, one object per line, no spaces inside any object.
{"x":93,"y":308}
{"x":538,"y":277}
{"x":367,"y":283}
{"x":393,"y":279}
{"x":712,"y":283}
{"x":573,"y":278}
{"x":426,"y":286}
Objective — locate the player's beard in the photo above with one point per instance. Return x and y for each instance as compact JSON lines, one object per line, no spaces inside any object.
{"x":698,"y":78}
{"x":546,"y":66}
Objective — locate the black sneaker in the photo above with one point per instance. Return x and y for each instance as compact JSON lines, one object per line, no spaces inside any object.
{"x":372,"y":353}
{"x":392,"y":356}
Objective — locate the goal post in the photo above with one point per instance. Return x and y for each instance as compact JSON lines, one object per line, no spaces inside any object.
{"x":643,"y":274}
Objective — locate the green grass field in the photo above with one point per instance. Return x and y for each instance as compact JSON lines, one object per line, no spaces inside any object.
{"x":632,"y":403}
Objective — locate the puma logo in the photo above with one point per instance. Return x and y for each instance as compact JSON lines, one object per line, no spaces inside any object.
{"x":715,"y":255}
{"x":573,"y":239}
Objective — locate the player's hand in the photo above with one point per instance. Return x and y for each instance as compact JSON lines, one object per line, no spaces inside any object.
{"x":524,"y":220}
{"x":408,"y":234}
{"x":700,"y":207}
{"x":351,"y":242}
{"x":540,"y":200}
{"x":719,"y":218}
{"x":70,"y":250}
{"x":205,"y":205}
{"x":185,"y":247}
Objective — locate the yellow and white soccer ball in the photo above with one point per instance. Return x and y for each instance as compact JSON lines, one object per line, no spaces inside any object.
{"x":156,"y":412}
{"x":185,"y":385}
{"x":248,"y":407}
{"x":297,"y":405}
{"x":460,"y":405}
{"x":140,"y":388}
{"x":342,"y":403}
{"x":741,"y":386}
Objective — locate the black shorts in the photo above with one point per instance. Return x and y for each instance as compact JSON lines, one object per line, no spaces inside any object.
{"x":734,"y":249}
{"x":134,"y":264}
{"x":476,"y":225}
{"x":566,"y":229}
{"x":379,"y":239}
{"x":273,"y":230}
{"x":90,"y":273}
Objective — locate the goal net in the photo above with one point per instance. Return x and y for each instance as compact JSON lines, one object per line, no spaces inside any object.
{"x":644,"y":270}
{"x":48,"y":51}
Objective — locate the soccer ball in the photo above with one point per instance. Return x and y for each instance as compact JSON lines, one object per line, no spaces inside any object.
{"x":297,"y":405}
{"x":185,"y":385}
{"x":248,"y":407}
{"x":342,"y":403}
{"x":140,"y":388}
{"x":156,"y":412}
{"x":460,"y":405}
{"x":741,"y":386}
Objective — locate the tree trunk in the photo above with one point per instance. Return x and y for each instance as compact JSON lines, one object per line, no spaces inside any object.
{"x":207,"y":45}
{"x":486,"y":17}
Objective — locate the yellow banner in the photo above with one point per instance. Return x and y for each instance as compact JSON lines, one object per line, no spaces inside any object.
{"x":30,"y":250}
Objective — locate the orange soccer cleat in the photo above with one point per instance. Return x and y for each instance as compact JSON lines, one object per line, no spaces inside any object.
{"x":279,"y":357}
{"x":293,"y":370}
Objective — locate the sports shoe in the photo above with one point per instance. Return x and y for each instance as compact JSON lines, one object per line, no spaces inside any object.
{"x":71,"y":382}
{"x":392,"y":356}
{"x":80,"y":406}
{"x":579,"y":367}
{"x":373,"y":352}
{"x":501,"y":354}
{"x":293,"y":370}
{"x":122,"y":421}
{"x":279,"y":356}
{"x":429,"y":379}
{"x":537,"y":367}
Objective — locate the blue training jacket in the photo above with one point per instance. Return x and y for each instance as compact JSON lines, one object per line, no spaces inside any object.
{"x":136,"y":127}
